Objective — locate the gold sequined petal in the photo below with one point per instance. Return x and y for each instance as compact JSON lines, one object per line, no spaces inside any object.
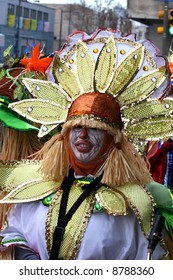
{"x":65,"y":77}
{"x":40,"y":111}
{"x":126,"y":70}
{"x":113,"y":202}
{"x":15,"y":173}
{"x":149,"y":108}
{"x":151,"y":129}
{"x":15,"y":179}
{"x":48,"y":91}
{"x":85,"y":67}
{"x":138,"y":197}
{"x":141,"y":88}
{"x":30,"y":191}
{"x":106,"y":66}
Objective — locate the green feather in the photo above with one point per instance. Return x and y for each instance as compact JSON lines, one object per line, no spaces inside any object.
{"x":168,"y":223}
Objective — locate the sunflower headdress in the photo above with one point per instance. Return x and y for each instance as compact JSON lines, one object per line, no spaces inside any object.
{"x":105,"y":81}
{"x":107,"y":68}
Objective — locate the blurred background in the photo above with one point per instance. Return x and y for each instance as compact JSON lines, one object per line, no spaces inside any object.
{"x":25,"y":23}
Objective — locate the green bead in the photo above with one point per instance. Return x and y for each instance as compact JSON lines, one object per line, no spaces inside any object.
{"x":47,"y":200}
{"x":97,"y":206}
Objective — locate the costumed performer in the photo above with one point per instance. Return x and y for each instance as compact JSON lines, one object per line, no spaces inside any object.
{"x":91,"y":196}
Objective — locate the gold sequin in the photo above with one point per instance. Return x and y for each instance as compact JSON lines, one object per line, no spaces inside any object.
{"x":71,"y":61}
{"x":145,"y":68}
{"x":122,"y":52}
{"x":95,"y":50}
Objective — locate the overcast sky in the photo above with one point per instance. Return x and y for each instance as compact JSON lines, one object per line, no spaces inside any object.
{"x":88,"y":2}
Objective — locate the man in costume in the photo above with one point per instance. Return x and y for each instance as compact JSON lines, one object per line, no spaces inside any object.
{"x":91,"y":196}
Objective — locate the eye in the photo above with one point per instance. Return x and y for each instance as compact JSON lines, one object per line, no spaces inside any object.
{"x":77,"y":128}
{"x":94,"y":128}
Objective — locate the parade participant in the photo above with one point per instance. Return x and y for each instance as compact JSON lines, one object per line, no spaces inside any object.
{"x":18,"y":136}
{"x":91,"y":195}
{"x":159,"y":154}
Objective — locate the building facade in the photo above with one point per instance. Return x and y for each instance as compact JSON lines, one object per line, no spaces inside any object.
{"x":25,"y":24}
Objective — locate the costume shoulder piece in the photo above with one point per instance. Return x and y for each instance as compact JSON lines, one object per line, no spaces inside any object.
{"x":116,"y":202}
{"x":144,"y":201}
{"x":23,"y":182}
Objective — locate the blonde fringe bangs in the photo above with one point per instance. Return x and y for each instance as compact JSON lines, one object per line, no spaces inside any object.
{"x":124,"y":165}
{"x":85,"y":121}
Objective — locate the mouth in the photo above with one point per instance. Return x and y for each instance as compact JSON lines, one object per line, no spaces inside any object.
{"x":83,"y":147}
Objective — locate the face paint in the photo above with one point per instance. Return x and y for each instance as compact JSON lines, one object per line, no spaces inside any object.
{"x":86,"y":142}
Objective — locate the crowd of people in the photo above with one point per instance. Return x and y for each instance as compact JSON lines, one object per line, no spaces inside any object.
{"x":85,"y":189}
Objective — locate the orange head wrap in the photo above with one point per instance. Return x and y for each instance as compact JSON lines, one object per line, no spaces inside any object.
{"x":100,"y":106}
{"x":103,"y":108}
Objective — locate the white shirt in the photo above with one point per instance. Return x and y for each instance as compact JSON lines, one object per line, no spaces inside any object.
{"x":107,"y":237}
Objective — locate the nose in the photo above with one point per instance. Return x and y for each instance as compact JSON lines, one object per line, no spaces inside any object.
{"x":84,"y":133}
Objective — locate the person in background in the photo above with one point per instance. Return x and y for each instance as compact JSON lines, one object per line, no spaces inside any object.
{"x":90,"y":195}
{"x":18,"y":137}
{"x":159,"y":153}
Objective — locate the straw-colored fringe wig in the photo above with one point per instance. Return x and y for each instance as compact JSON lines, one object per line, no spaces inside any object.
{"x":8,"y":254}
{"x":4,"y":210}
{"x":18,"y":145}
{"x":55,"y":159}
{"x":123,"y":165}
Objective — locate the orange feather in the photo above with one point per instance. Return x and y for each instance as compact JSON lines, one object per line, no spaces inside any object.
{"x":35,"y":63}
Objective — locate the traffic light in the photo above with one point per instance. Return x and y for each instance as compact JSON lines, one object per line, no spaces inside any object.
{"x":160,"y":29}
{"x":171,"y":22}
{"x":161,"y":13}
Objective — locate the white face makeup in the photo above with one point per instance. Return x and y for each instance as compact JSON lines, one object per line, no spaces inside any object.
{"x":86,"y":142}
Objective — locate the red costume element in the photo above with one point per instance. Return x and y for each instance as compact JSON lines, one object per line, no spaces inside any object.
{"x":157,"y":158}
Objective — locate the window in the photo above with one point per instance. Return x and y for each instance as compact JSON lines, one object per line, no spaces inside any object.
{"x":45,"y":16}
{"x":10,"y":9}
{"x":26,"y":13}
{"x":11,"y":19}
{"x":33,"y":14}
{"x":39,"y":16}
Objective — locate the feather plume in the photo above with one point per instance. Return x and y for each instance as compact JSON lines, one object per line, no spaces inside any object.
{"x":35,"y":62}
